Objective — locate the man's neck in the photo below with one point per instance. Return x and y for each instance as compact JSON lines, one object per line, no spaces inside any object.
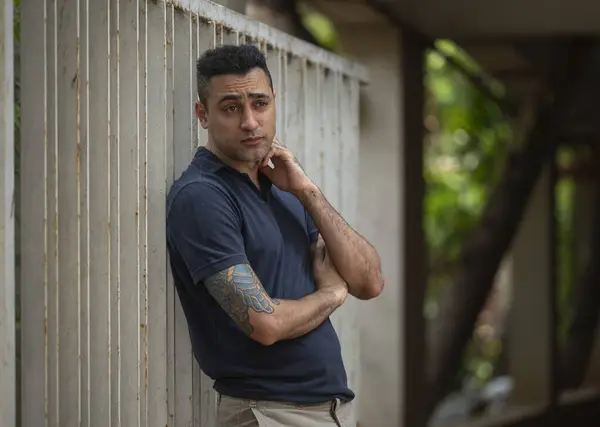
{"x":250,"y":169}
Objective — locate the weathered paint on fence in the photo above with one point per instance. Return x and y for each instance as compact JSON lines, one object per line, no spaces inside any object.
{"x":108,"y":90}
{"x":7,"y":220}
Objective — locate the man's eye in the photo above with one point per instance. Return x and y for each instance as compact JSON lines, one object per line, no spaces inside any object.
{"x":261,"y":104}
{"x":231,"y":109}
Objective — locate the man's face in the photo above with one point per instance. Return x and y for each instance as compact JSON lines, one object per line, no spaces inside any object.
{"x":240,"y":115}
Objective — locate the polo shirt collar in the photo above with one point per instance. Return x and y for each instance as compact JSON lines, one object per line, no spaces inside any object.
{"x":206,"y":160}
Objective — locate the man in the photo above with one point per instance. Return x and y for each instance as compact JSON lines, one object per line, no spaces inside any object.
{"x":261,"y":259}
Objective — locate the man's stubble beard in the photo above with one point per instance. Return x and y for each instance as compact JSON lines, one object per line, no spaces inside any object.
{"x":252,"y":155}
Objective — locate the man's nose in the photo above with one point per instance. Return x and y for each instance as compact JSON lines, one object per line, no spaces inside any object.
{"x":249,"y":122}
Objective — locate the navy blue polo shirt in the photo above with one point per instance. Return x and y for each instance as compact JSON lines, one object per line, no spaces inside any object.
{"x":216,"y":218}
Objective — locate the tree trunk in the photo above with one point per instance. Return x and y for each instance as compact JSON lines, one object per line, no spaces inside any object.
{"x":580,"y":341}
{"x":453,"y":327}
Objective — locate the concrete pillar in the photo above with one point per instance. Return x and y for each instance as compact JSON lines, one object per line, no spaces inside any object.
{"x":530,"y":326}
{"x":390,"y":211}
{"x":7,"y":236}
{"x":585,"y":191}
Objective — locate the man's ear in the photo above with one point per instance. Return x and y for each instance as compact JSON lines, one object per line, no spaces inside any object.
{"x":202,"y":114}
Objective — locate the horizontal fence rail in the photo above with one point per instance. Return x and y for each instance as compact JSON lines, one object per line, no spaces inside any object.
{"x":108,"y":124}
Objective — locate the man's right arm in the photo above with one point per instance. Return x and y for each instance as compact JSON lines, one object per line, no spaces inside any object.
{"x":204,"y":228}
{"x":240,"y":293}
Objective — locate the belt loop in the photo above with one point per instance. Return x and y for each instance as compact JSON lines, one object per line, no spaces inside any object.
{"x":335,"y":403}
{"x":218,"y":398}
{"x":334,"y":406}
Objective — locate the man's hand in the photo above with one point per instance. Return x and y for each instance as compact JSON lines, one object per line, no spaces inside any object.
{"x":356,"y":260}
{"x":287,"y":173}
{"x":327,"y":277}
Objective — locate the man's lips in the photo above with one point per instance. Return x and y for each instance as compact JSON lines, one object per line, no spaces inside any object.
{"x":251,"y":141}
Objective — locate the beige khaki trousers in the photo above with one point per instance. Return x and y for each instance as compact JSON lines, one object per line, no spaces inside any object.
{"x":232,"y":412}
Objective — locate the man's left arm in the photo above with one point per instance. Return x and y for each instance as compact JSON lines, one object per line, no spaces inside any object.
{"x":355,"y":258}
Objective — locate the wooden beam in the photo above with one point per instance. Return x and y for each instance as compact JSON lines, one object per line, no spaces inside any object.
{"x":412,"y":233}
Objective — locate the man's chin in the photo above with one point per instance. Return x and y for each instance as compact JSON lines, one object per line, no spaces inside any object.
{"x":254,"y":154}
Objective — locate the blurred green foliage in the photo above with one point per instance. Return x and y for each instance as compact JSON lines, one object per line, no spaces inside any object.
{"x":465,"y":148}
{"x":468,"y":137}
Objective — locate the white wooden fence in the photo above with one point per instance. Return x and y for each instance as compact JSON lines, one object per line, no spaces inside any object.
{"x":107,"y":95}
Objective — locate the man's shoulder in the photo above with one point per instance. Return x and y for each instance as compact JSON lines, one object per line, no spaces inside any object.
{"x":195,"y":185}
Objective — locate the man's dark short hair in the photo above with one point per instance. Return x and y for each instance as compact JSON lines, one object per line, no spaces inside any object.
{"x":228,"y":59}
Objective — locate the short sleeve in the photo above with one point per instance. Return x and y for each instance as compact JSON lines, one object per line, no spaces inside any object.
{"x":313,"y":231}
{"x":204,"y":226}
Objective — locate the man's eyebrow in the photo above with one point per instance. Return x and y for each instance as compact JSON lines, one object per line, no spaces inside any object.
{"x":256,"y":95}
{"x":237,"y":97}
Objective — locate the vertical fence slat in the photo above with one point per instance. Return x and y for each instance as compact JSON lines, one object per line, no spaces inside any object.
{"x":273,"y":65}
{"x":310,"y":83}
{"x":206,"y":39}
{"x":142,"y":213}
{"x":68,"y":290}
{"x":34,"y":150}
{"x":83,"y":191}
{"x":330,"y":142}
{"x":349,"y":136}
{"x":52,"y":301}
{"x":293,"y":132}
{"x":318,"y":149}
{"x":7,"y":224}
{"x":182,"y":135}
{"x":128,"y":216}
{"x":196,"y":379}
{"x":156,"y":331}
{"x":114,"y":223}
{"x":194,"y":41}
{"x":331,"y":148}
{"x":170,"y":161}
{"x":99,"y":213}
{"x":283,"y":101}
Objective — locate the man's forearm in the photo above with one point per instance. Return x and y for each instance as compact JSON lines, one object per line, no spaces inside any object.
{"x":355,"y":259}
{"x":298,"y":317}
{"x":240,"y":293}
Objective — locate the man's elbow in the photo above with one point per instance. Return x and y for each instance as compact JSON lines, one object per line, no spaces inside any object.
{"x":265,"y":330}
{"x":372,"y":288}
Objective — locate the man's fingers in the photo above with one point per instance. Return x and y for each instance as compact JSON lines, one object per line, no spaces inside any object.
{"x":319,"y":253}
{"x":265,"y":160}
{"x":279,"y":150}
{"x":266,"y":171}
{"x":318,"y":250}
{"x":321,"y":248}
